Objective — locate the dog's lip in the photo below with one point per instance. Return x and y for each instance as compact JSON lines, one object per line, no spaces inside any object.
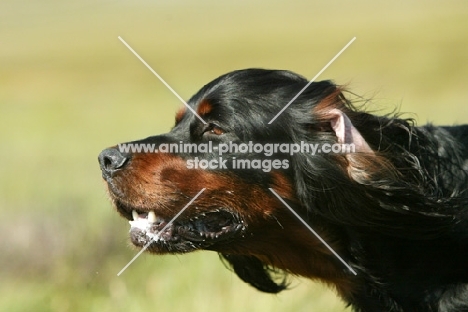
{"x":202,"y":229}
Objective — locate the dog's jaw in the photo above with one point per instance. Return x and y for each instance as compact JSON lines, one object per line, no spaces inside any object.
{"x":200,"y":231}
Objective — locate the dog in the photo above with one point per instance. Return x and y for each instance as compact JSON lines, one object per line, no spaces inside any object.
{"x":394,"y":209}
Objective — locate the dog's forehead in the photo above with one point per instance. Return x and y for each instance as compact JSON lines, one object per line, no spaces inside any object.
{"x":253,"y":97}
{"x":247,"y":83}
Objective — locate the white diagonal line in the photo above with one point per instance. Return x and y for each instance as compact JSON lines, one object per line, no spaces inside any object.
{"x":313,"y":232}
{"x":163,"y":229}
{"x":162,"y":80}
{"x":313,"y":79}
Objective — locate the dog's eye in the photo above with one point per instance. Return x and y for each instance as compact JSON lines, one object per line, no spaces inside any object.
{"x":213,"y":129}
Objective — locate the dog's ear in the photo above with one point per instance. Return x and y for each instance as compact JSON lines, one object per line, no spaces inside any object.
{"x":252,"y":271}
{"x":330,"y":114}
{"x":345,"y":131}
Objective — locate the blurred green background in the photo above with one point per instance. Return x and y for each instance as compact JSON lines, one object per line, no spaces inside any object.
{"x":69,"y":88}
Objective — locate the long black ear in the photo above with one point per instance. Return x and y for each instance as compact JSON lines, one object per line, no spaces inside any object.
{"x":252,"y":271}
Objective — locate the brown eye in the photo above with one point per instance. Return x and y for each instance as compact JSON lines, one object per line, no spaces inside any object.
{"x":214,"y":129}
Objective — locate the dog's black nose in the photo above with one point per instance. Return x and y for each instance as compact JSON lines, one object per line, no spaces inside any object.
{"x":111,"y":160}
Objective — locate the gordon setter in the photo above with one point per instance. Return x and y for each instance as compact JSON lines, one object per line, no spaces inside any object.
{"x":394,"y":208}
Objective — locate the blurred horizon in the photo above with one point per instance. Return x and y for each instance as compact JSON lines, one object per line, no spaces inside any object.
{"x":69,"y":88}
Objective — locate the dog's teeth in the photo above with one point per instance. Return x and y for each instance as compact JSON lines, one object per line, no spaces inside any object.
{"x":134,"y":215}
{"x":152,"y":217}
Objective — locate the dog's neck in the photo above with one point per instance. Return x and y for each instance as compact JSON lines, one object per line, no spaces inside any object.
{"x":286,"y":244}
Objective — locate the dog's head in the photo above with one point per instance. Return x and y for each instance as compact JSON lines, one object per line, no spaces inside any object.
{"x":238,"y":214}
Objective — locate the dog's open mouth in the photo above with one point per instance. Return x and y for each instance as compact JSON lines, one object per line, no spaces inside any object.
{"x":183,"y":234}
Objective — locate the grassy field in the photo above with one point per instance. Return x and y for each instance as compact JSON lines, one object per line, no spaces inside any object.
{"x":69,"y":88}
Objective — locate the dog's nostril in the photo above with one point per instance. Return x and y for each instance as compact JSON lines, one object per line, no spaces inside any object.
{"x":107,"y":162}
{"x":111,"y":160}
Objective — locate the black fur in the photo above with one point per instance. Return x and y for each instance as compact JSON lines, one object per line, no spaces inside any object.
{"x":398,"y":213}
{"x":406,"y":228}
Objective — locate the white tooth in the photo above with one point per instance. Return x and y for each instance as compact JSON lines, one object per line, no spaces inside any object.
{"x":134,"y":215}
{"x":151,"y":216}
